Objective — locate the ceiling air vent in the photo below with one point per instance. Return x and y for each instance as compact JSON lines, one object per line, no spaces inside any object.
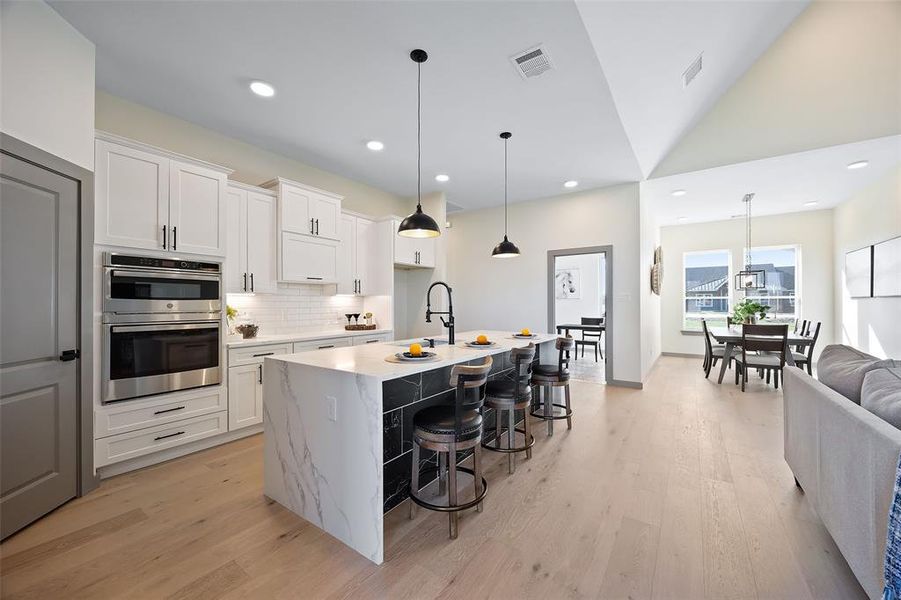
{"x":692,"y":71}
{"x":532,"y":62}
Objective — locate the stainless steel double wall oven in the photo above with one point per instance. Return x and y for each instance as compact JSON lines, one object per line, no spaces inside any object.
{"x":162,"y":325}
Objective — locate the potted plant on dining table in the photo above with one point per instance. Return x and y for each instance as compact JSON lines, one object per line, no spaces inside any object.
{"x":748,"y":311}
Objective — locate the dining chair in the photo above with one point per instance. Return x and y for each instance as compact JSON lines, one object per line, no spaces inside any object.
{"x":712,"y":352}
{"x":804,"y":329}
{"x":762,"y":347}
{"x":805,"y":356}
{"x":591,"y":338}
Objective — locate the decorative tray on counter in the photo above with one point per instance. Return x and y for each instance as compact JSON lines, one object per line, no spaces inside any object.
{"x":360,"y":327}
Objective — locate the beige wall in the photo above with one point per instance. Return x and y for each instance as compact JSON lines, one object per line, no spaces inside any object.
{"x":833,"y":77}
{"x":870,"y":217}
{"x":252,"y":164}
{"x":47,"y":81}
{"x":811,"y":230}
{"x":512,"y":293}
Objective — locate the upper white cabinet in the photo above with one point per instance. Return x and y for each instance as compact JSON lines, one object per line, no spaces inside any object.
{"x":357,"y":250}
{"x":306,"y":210}
{"x":250,"y":264}
{"x":306,"y":260}
{"x":146,"y":198}
{"x":413,"y":252}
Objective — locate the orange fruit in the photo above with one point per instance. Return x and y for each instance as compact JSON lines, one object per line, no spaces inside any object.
{"x":415,"y":350}
{"x":525,"y":331}
{"x":482,"y":339}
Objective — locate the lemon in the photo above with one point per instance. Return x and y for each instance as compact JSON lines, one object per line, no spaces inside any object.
{"x":482,"y":339}
{"x":525,"y":332}
{"x":415,"y":350}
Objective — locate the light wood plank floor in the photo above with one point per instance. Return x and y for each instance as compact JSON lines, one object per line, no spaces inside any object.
{"x":676,"y":491}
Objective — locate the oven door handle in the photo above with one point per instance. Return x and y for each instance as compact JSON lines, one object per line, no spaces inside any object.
{"x":162,"y":327}
{"x":165,"y":275}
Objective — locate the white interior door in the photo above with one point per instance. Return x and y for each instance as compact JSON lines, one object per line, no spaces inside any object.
{"x":261,"y":243}
{"x":131,"y":197}
{"x":197,"y":209}
{"x":236,"y":249}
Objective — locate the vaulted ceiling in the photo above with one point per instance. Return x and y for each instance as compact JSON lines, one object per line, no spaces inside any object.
{"x":777,"y":77}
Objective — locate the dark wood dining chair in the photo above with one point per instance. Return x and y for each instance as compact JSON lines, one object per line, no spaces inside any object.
{"x":591,"y":338}
{"x":762,"y":347}
{"x":713,"y":352}
{"x":804,"y":329}
{"x":804,"y":356}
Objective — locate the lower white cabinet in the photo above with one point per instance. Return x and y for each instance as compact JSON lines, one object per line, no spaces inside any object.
{"x":362,"y":340}
{"x":308,"y":260}
{"x":325,"y":344}
{"x":245,"y":396}
{"x":117,"y":448}
{"x":131,"y":415}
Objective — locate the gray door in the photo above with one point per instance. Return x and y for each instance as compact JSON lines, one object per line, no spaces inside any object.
{"x":38,"y":323}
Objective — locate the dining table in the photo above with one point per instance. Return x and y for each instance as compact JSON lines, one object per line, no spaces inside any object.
{"x":731,"y":338}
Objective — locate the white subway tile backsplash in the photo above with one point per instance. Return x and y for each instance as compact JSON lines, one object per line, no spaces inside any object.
{"x":295,"y":308}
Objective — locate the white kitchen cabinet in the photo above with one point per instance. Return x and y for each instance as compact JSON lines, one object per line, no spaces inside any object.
{"x":306,"y":210}
{"x":116,"y":448}
{"x":251,"y":259}
{"x":378,"y":338}
{"x":413,"y":252}
{"x":245,"y":396}
{"x":355,"y":253}
{"x":324,"y":344}
{"x":308,"y":260}
{"x":146,"y":198}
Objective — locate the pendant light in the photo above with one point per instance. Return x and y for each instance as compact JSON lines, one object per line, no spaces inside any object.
{"x":506,"y":249}
{"x":749,"y":278}
{"x":419,"y":224}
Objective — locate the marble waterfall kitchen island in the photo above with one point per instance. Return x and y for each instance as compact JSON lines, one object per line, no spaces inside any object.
{"x":338,"y":423}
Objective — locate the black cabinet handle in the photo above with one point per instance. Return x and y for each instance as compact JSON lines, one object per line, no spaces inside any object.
{"x":311,"y":226}
{"x":68,"y":355}
{"x":175,"y":238}
{"x":317,"y":226}
{"x":251,"y":282}
{"x":325,"y":347}
{"x":315,"y":278}
{"x":164,"y":237}
{"x":261,"y":373}
{"x":263,"y":354}
{"x":168,"y":410}
{"x":245,"y":282}
{"x":373,"y":341}
{"x":162,"y":437}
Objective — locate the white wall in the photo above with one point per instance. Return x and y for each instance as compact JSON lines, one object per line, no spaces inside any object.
{"x":591,"y":283}
{"x":649,"y":233}
{"x":47,"y":79}
{"x":811,"y":230}
{"x":512,"y":293}
{"x":872,"y":216}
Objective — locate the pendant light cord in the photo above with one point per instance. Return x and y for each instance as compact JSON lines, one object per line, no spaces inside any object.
{"x":505,"y":188}
{"x":419,"y":137}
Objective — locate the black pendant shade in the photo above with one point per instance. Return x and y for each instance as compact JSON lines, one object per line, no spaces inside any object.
{"x":419,"y":224}
{"x":506,"y":249}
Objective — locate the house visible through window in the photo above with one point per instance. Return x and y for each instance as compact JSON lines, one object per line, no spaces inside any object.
{"x":782,"y":291}
{"x":706,"y":285}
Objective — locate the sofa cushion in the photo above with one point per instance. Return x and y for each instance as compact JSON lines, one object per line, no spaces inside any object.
{"x":843,"y":368}
{"x":881,"y":395}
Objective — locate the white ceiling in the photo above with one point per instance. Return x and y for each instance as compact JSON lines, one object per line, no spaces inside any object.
{"x":343,"y":76}
{"x":781,"y":184}
{"x":644,"y":47}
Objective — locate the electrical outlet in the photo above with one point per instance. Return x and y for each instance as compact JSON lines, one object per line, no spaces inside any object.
{"x":332,"y":408}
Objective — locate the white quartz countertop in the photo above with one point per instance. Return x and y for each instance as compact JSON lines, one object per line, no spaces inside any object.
{"x":304,"y":336}
{"x":369,"y":360}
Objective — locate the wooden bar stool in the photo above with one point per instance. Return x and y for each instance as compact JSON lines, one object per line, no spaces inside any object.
{"x":547,"y":377}
{"x":448,"y":429}
{"x":511,"y":395}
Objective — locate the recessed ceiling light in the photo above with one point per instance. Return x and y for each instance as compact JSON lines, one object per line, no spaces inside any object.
{"x":570,"y":184}
{"x":683,"y":219}
{"x":375,"y":145}
{"x":678,"y":193}
{"x":860,"y":164}
{"x":261,"y":88}
{"x":442,"y":178}
{"x":811,"y":203}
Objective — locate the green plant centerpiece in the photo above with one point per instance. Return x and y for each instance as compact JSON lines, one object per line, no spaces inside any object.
{"x":231,"y":313}
{"x":748,"y":311}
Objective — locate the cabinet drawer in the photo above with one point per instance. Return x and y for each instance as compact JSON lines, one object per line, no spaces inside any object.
{"x":255,"y":354}
{"x":124,"y":446}
{"x":132,"y":415}
{"x":339,"y":342}
{"x":370,"y":339}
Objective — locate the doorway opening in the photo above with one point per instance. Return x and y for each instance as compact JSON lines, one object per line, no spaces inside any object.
{"x":579,"y":304}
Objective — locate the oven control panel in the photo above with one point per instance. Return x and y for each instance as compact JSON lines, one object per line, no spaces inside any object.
{"x":127,"y":260}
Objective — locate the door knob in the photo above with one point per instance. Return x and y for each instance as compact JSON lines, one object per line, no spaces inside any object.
{"x":68,"y":355}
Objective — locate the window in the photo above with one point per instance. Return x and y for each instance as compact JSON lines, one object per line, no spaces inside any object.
{"x":782,"y":292}
{"x":706,"y":285}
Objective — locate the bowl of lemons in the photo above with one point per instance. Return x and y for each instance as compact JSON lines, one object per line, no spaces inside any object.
{"x":525,"y":333}
{"x":481,"y":341}
{"x":415,"y":353}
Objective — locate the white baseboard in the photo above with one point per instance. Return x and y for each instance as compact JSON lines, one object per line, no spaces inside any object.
{"x":176,"y":452}
{"x":682,"y":354}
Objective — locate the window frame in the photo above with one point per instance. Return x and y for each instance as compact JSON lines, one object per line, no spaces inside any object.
{"x":710,"y":298}
{"x":794,"y":301}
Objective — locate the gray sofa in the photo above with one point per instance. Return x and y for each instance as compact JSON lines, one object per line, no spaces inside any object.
{"x":843,"y":455}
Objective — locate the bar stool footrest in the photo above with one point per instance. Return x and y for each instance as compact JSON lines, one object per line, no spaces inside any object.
{"x":554,"y":417}
{"x":440,"y":508}
{"x":490,"y":445}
